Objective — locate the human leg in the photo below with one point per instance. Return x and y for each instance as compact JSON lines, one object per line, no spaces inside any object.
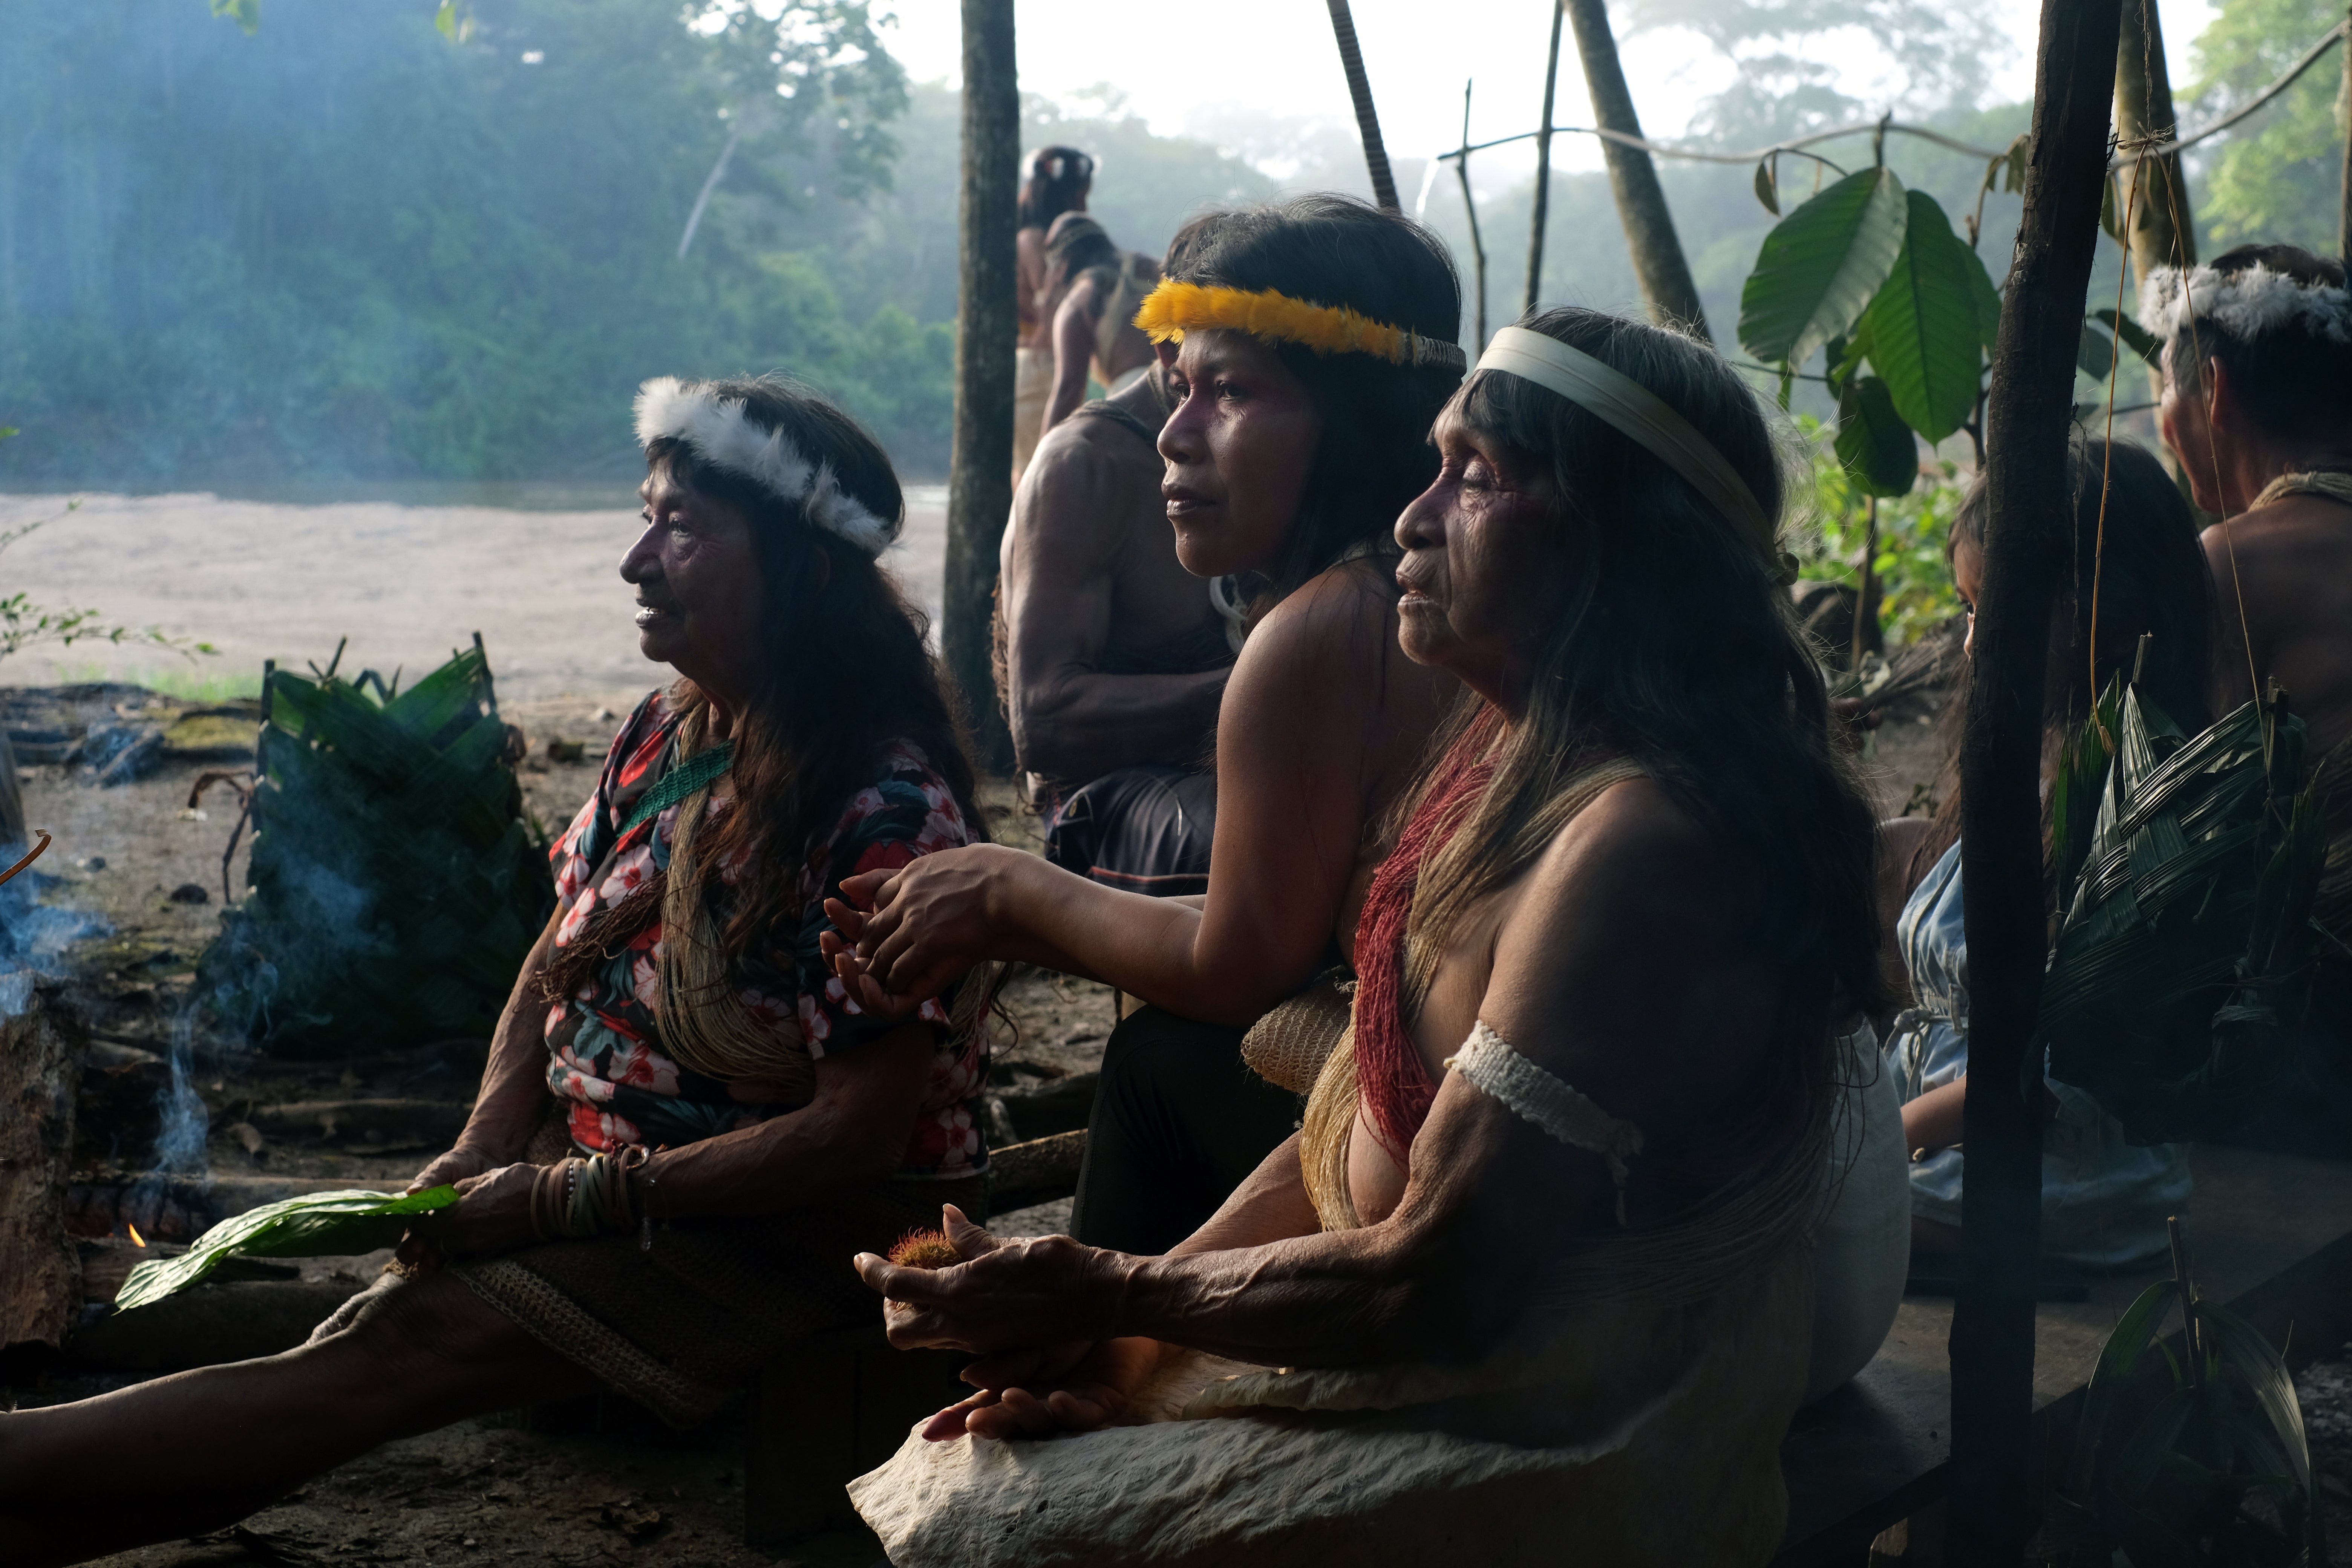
{"x":201,"y":1449}
{"x":1178,"y":1121}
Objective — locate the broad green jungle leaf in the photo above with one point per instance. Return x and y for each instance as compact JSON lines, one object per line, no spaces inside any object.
{"x":1873,"y":444}
{"x":1925,"y":337}
{"x":1767,"y":187}
{"x":1821,"y":265}
{"x":2094,"y":354}
{"x":315,"y":1224}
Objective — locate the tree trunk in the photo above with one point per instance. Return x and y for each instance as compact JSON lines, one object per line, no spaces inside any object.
{"x":41,"y":1049}
{"x":979,"y":481}
{"x":1542,"y":215}
{"x":1667,"y":285}
{"x":2161,"y":233}
{"x":2028,"y":411}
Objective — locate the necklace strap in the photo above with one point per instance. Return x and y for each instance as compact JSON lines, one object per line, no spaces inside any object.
{"x":702,"y":768}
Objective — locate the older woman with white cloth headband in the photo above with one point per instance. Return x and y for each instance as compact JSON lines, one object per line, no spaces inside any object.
{"x":1541,"y":1250}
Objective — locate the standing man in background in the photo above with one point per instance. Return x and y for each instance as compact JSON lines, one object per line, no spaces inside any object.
{"x":1059,"y":179}
{"x":1112,"y":656}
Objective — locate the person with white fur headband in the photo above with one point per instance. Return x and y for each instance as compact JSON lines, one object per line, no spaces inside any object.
{"x":686,"y":1128}
{"x":2257,"y":407}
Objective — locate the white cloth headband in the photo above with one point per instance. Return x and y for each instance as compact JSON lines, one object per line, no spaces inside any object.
{"x":1640,"y":416}
{"x":723,"y":436}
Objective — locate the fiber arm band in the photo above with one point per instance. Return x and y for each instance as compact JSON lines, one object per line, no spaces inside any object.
{"x":1487,"y":1061}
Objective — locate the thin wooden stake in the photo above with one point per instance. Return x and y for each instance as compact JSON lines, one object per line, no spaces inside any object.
{"x":2028,"y":414}
{"x":1470,"y":206}
{"x":1367,"y":122}
{"x":1543,"y":164}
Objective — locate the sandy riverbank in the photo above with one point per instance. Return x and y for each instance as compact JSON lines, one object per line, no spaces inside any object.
{"x":530,"y":568}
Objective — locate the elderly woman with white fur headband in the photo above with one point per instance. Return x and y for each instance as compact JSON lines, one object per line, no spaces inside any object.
{"x":686,"y":1128}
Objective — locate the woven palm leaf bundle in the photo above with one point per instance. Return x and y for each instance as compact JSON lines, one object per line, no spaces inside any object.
{"x":396,"y":883}
{"x":2184,"y":871}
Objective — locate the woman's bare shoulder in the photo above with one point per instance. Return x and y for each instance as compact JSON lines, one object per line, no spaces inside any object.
{"x":1635,"y":850}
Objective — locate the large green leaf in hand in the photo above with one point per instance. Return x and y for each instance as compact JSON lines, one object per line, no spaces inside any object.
{"x":1874,"y":446}
{"x":1821,"y":265}
{"x":316,"y":1224}
{"x":1925,"y":333}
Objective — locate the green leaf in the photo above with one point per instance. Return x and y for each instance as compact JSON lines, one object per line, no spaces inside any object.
{"x":2126,"y":1343}
{"x":316,"y":1224}
{"x":1925,"y":335}
{"x":1767,"y":187}
{"x":2135,"y":337}
{"x":2136,"y":1462}
{"x":245,"y":14}
{"x":1873,"y":444}
{"x":2110,"y":215}
{"x":2095,"y":355}
{"x":2247,"y":1355}
{"x":1821,"y":265}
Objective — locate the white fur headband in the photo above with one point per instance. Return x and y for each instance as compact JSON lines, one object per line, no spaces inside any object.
{"x":2247,"y":304}
{"x":722,"y":435}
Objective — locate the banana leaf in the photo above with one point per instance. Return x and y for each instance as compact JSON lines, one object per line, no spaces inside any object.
{"x":395,"y":882}
{"x":316,"y":1224}
{"x":2186,"y":868}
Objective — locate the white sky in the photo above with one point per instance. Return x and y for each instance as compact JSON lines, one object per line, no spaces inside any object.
{"x":1278,"y":57}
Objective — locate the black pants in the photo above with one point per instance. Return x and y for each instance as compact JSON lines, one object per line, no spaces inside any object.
{"x":1145,"y":829}
{"x":1178,"y":1121}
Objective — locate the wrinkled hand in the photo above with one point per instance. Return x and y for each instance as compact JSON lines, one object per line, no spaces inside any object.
{"x":1075,"y":1387}
{"x":454,"y":1166}
{"x":908,"y":935}
{"x":491,"y":1216}
{"x":1010,"y":1294}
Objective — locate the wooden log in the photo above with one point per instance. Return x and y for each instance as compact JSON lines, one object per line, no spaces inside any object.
{"x":41,"y":1071}
{"x":208,"y":1324}
{"x":180,"y":1208}
{"x":361,"y":1122}
{"x":988,"y":323}
{"x":1037,"y":1172}
{"x":2028,"y":414}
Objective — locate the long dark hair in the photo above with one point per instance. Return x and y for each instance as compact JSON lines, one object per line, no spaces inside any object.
{"x":1059,"y":178}
{"x":1374,"y":456}
{"x":1679,"y":648}
{"x":844,"y":668}
{"x":2151,"y":578}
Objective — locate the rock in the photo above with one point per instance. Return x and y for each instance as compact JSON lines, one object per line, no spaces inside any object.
{"x":190,"y":893}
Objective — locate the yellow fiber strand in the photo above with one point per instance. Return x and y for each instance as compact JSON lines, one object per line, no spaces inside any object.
{"x":1173,"y":309}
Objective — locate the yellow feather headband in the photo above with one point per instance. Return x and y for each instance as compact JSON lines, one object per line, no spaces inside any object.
{"x":1174,"y":309}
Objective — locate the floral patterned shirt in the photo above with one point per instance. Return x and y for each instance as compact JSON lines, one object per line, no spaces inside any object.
{"x":605,"y":1056}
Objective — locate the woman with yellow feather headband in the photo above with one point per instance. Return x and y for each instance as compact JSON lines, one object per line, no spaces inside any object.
{"x":1310,"y":343}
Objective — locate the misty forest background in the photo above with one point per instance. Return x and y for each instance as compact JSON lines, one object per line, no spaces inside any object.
{"x":344,"y":246}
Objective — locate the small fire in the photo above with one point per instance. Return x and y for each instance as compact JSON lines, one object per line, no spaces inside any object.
{"x":136,"y":1239}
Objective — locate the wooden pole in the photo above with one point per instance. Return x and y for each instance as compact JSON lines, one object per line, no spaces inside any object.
{"x":1543,"y":163}
{"x":1477,"y":244}
{"x":980,"y":480}
{"x":2144,"y":111}
{"x":1664,"y":276}
{"x":1368,"y":124}
{"x":2027,"y":411}
{"x":2344,"y":218}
